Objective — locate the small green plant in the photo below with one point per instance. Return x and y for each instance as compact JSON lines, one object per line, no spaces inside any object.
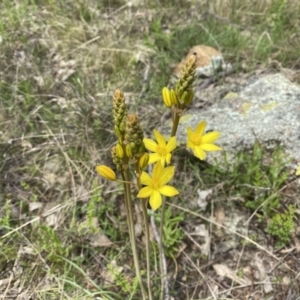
{"x":282,"y":226}
{"x":128,"y":287}
{"x":173,"y":234}
{"x":256,"y":176}
{"x":5,"y":218}
{"x":51,"y":244}
{"x":258,"y":180}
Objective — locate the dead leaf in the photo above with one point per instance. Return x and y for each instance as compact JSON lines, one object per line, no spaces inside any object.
{"x":201,"y":230}
{"x":203,"y":196}
{"x":138,"y":229}
{"x":39,"y":80}
{"x":286,"y":280}
{"x":34,"y":205}
{"x":225,"y":271}
{"x":99,"y":239}
{"x":82,"y":194}
{"x":52,"y":220}
{"x":262,"y":275}
{"x":219,"y":216}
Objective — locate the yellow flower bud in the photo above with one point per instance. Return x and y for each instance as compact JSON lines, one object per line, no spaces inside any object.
{"x":129,"y":151}
{"x":166,"y":97}
{"x":173,"y":97}
{"x":106,"y":172}
{"x":119,"y":151}
{"x":143,"y":161}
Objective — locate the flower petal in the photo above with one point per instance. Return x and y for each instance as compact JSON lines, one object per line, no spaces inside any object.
{"x":199,"y":153}
{"x":155,"y":200}
{"x":168,"y":158}
{"x":166,"y":175}
{"x":150,"y":144}
{"x":145,"y":192}
{"x":160,"y":139}
{"x":146,"y":179}
{"x":171,"y":145}
{"x":189,"y":132}
{"x":200,"y":128}
{"x":168,"y":190}
{"x":210,"y":147}
{"x":156,"y":173}
{"x":210,"y":137}
{"x":190,"y":144}
{"x":153,"y":158}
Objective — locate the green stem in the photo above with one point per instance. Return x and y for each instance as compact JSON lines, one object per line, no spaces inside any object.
{"x":126,"y":186}
{"x":175,"y":124}
{"x":176,"y":119}
{"x":147,"y":234}
{"x":161,"y":249}
{"x":129,"y":212}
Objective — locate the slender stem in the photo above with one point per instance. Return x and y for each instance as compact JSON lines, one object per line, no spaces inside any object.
{"x":161,"y":249}
{"x":128,"y":206}
{"x":147,"y":234}
{"x":126,"y":186}
{"x":163,"y":269}
{"x":175,"y":124}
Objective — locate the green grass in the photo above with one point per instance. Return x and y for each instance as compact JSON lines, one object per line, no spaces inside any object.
{"x":60,"y":63}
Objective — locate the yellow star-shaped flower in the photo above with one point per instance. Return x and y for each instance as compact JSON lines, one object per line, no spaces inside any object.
{"x":156,"y":185}
{"x":161,"y":150}
{"x":199,"y":142}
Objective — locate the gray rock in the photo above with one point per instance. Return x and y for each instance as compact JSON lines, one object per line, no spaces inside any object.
{"x":266,"y":109}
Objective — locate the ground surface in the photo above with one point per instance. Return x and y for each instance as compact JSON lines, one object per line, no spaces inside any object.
{"x":63,"y":229}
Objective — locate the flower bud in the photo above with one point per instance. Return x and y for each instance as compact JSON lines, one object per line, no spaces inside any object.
{"x":129,"y":151}
{"x":143,"y":160}
{"x":166,"y":97}
{"x":119,"y":151}
{"x":117,"y":130}
{"x":106,"y":172}
{"x":173,"y":97}
{"x":189,"y":98}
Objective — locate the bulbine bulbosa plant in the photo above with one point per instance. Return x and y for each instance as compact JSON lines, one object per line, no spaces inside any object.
{"x":134,"y":152}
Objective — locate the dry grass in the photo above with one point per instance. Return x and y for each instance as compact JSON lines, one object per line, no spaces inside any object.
{"x":60,"y":61}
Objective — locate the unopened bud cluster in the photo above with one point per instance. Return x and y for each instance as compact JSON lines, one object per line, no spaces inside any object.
{"x":184,"y":86}
{"x":134,"y":136}
{"x":120,"y":111}
{"x":117,"y":153}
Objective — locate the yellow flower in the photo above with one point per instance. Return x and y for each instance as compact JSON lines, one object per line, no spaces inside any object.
{"x":200,"y":142}
{"x":298,"y":171}
{"x":106,"y":172}
{"x":162,"y":150}
{"x":156,"y":185}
